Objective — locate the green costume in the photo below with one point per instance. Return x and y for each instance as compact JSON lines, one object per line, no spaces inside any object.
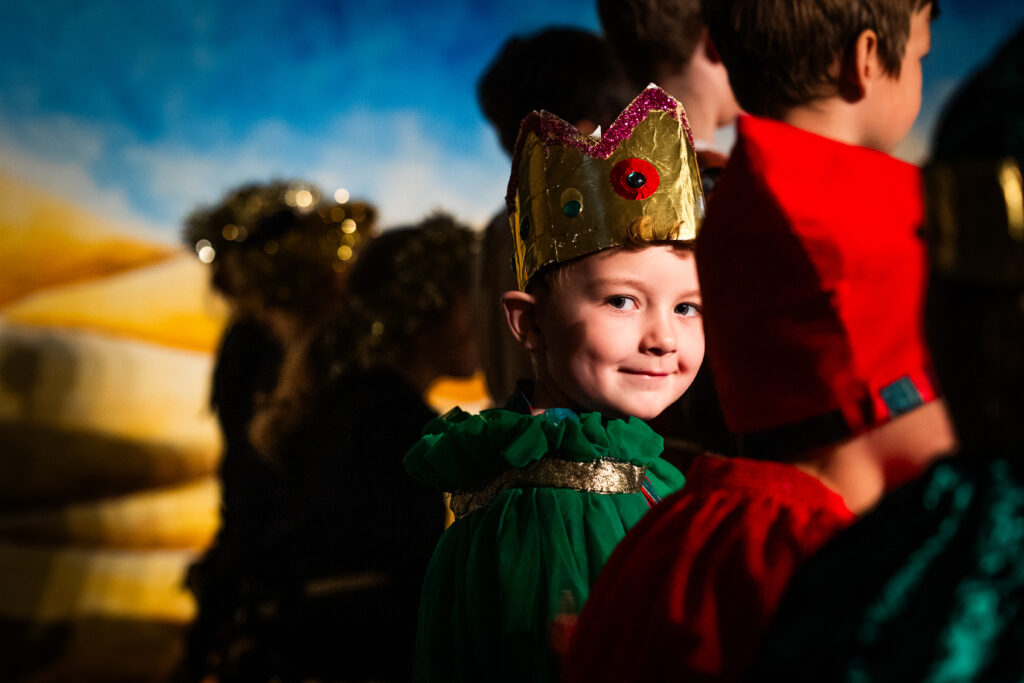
{"x":541,"y":513}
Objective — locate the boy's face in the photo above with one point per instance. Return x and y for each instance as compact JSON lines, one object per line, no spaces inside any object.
{"x":622,"y":332}
{"x":898,"y":99}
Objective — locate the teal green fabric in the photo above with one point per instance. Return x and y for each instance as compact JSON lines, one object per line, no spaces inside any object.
{"x":500,"y":575}
{"x":927,"y":587}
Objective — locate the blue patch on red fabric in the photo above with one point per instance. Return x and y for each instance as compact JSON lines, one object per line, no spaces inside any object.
{"x":901,"y":396}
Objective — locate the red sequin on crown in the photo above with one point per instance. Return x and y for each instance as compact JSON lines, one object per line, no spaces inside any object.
{"x":634,"y":178}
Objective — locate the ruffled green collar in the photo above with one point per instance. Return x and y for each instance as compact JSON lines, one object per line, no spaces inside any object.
{"x":461,"y":451}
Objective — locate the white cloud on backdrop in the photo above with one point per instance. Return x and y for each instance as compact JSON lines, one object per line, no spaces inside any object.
{"x":390,"y":158}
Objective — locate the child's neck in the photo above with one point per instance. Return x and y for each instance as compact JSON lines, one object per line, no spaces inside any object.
{"x":700,"y":111}
{"x":700,"y":90}
{"x":833,"y":118}
{"x":544,"y":396}
{"x":863,"y":468}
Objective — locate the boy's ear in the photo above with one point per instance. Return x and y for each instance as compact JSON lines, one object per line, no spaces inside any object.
{"x":862,"y":67}
{"x":521,"y":314}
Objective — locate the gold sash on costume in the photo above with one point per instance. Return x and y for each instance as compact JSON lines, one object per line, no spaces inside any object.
{"x":603,"y":475}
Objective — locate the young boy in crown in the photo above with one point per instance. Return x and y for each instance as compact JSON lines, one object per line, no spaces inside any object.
{"x":609,"y":309}
{"x":812,"y":274}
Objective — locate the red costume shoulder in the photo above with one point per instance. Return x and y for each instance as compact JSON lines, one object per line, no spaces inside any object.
{"x":803,"y":219}
{"x":689,"y":591}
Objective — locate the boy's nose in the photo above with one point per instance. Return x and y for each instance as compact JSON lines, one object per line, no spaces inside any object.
{"x":659,"y":336}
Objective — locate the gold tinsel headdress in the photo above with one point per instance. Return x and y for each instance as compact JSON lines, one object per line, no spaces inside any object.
{"x":288,"y":242}
{"x":572,"y":194}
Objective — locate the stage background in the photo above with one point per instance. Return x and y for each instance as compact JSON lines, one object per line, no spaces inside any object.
{"x":116,"y":119}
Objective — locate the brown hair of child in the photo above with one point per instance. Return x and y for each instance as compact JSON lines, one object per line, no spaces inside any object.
{"x":782,"y":54}
{"x":639,"y":234}
{"x":566,"y":71}
{"x":651,"y":37}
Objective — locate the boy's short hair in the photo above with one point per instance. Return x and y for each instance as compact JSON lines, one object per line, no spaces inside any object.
{"x":650,"y":36}
{"x":565,"y":71}
{"x":784,"y":53}
{"x":543,"y":280}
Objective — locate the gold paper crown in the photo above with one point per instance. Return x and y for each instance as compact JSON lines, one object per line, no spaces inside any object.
{"x":571,"y":194}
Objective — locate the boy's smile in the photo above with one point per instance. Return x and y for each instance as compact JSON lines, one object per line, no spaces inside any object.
{"x":621,"y":332}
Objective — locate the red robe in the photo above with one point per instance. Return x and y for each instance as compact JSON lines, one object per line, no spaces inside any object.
{"x":812,"y":278}
{"x":689,"y":592}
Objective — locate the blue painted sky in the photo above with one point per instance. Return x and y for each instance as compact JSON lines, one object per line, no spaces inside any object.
{"x":140,"y":110}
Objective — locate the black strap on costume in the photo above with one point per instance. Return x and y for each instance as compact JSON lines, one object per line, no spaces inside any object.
{"x":785,"y":442}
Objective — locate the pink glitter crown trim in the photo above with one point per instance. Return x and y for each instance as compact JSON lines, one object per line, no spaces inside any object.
{"x":554,"y":131}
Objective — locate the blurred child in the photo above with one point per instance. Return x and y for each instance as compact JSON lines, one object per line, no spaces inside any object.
{"x":345,"y":559}
{"x":812,"y":275}
{"x":609,"y":309}
{"x":568,"y":72}
{"x":273,"y":254}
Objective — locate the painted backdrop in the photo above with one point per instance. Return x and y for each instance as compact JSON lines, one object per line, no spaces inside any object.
{"x":116,"y":119}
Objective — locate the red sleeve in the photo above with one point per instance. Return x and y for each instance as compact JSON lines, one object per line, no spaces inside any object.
{"x":690,"y":591}
{"x":734,"y":584}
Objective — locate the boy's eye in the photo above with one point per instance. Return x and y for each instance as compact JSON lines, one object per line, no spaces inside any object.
{"x":688,"y":310}
{"x":623,"y":303}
